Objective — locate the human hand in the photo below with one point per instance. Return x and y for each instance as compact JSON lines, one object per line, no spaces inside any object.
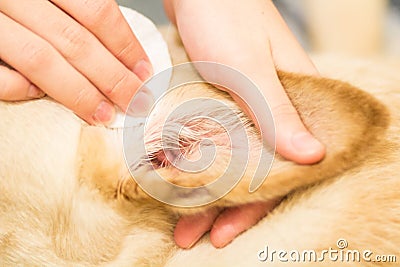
{"x":81,"y":53}
{"x":251,"y":37}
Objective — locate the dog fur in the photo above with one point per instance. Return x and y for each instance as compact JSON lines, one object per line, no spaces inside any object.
{"x":67,"y":197}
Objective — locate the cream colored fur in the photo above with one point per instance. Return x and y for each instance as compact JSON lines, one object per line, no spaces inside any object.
{"x":67,"y":199}
{"x":350,"y":27}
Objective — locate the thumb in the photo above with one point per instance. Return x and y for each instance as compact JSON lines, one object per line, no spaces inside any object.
{"x":293,"y":140}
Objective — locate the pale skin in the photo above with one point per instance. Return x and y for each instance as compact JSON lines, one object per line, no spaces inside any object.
{"x":84,"y":55}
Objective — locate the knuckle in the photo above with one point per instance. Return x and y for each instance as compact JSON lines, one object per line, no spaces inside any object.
{"x":80,"y":101}
{"x":84,"y":104}
{"x":130,"y":53}
{"x":284,"y":111}
{"x":118,"y":83}
{"x":101,"y":11}
{"x":36,"y":54}
{"x":128,"y":49}
{"x":75,"y":41}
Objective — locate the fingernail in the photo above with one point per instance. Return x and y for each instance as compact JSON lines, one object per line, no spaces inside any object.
{"x":104,"y":113}
{"x":143,"y":70}
{"x":34,"y":92}
{"x":194,"y":241}
{"x":141,"y":104}
{"x":306,"y":143}
{"x":224,"y":235}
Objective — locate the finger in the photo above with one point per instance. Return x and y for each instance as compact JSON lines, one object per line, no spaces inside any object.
{"x":191,"y":228}
{"x":78,"y":46}
{"x":15,"y":87}
{"x":286,"y":49}
{"x":105,"y":20}
{"x":252,"y":56}
{"x":293,"y":140}
{"x":45,"y":67}
{"x":234,"y":221}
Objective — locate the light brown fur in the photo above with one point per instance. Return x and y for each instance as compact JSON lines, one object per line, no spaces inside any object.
{"x":67,"y":199}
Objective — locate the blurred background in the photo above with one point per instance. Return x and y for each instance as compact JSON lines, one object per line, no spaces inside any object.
{"x":356,"y":27}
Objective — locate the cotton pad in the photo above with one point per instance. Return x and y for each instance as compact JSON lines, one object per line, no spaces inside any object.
{"x":156,"y":49}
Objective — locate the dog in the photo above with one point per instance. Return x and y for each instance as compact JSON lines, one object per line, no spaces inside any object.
{"x":67,"y":197}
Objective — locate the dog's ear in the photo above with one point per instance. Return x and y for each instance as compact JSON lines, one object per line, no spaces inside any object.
{"x":349,"y":122}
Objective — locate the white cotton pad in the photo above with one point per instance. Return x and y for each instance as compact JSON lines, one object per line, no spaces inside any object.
{"x":156,"y":49}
